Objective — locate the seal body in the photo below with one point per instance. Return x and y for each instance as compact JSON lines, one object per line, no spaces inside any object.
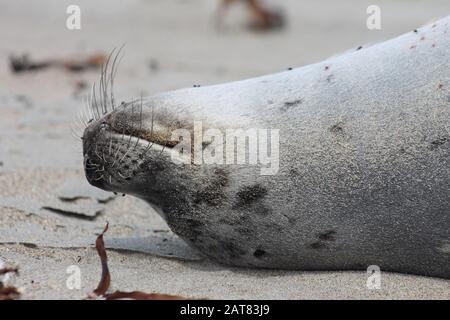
{"x":363,"y":174}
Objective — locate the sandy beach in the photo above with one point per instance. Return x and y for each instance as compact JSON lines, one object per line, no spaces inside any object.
{"x":49,"y":214}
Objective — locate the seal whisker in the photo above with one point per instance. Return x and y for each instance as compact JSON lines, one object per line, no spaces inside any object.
{"x":89,"y":111}
{"x":123,"y":129}
{"x":106,"y":81}
{"x":103,"y":157}
{"x":96,"y":152}
{"x":101,"y":177}
{"x":115,"y":157}
{"x":140,"y":125}
{"x":85,"y":110}
{"x":132,"y":124}
{"x":81,"y":116}
{"x":124,"y":155}
{"x":92,"y":164}
{"x":81,"y":122}
{"x":76,"y":128}
{"x":101,"y":91}
{"x":100,"y":170}
{"x":122,"y":176}
{"x":95,"y":104}
{"x":161,"y":151}
{"x":114,"y":67}
{"x":150,"y":144}
{"x":75,"y":135}
{"x":102,"y":86}
{"x":87,"y":162}
{"x":110,"y":143}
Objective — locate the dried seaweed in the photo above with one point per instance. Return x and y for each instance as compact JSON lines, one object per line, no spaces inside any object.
{"x":9,"y":270}
{"x":24,"y":63}
{"x":105,"y":280}
{"x":8,"y":293}
{"x":139,"y":295}
{"x":263,"y":17}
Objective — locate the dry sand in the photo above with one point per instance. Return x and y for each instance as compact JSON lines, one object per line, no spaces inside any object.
{"x":169,"y":45}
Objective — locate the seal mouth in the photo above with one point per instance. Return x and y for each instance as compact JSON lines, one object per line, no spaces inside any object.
{"x":113,"y":157}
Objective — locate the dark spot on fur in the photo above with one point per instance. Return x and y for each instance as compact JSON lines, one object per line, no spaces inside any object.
{"x":359,"y":48}
{"x":248,"y":195}
{"x":231,"y":249}
{"x":327,"y":67}
{"x":212,"y":192}
{"x":337,"y":128}
{"x":291,"y":104}
{"x":327,"y":235}
{"x":259,"y":253}
{"x":330,"y":78}
{"x":415,"y":31}
{"x":440,"y":86}
{"x":437,"y":143}
{"x":318,"y":245}
{"x":190,"y":229}
{"x":289,"y":69}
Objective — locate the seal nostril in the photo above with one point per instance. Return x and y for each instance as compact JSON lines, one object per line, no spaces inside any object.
{"x":259,"y":253}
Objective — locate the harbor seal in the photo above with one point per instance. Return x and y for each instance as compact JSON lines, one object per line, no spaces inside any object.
{"x":360,"y":175}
